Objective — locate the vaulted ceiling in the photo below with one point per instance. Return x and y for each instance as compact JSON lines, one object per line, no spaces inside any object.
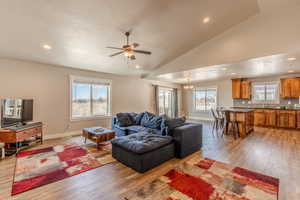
{"x":272,"y":36}
{"x":79,"y":31}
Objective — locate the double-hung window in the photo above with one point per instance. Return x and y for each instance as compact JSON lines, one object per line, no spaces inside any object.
{"x":90,"y":98}
{"x":205,"y":99}
{"x":265,"y":92}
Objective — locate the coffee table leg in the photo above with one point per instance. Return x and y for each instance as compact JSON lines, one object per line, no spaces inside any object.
{"x":98,"y":145}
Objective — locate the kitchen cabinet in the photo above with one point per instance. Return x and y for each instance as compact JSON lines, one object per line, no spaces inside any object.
{"x":244,"y":118}
{"x":290,"y":87}
{"x":259,"y":118}
{"x":286,"y":119}
{"x":246,"y":90}
{"x":241,"y":89}
{"x":298,"y":119}
{"x":295,"y":88}
{"x":270,"y":118}
{"x":236,"y":88}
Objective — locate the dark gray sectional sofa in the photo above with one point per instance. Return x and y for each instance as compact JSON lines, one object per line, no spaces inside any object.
{"x":146,"y":140}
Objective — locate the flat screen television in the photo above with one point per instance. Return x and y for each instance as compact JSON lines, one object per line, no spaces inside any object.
{"x":16,"y":112}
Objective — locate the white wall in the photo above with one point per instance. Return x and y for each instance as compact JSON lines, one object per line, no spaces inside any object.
{"x":48,"y":85}
{"x":224,"y":98}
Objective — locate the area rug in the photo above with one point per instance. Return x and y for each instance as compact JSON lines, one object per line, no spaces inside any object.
{"x":43,"y":166}
{"x":207,"y":179}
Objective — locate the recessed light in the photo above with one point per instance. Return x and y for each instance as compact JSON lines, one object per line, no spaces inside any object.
{"x":233,"y":73}
{"x":47,"y":47}
{"x":292,"y":59}
{"x":206,"y":20}
{"x":291,"y":71}
{"x":224,"y":69}
{"x":138,"y":67}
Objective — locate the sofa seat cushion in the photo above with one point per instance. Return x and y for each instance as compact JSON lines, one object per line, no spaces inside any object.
{"x":137,"y":129}
{"x":142,"y":142}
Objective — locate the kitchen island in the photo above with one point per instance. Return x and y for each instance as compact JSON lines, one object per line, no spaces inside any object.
{"x":244,"y":118}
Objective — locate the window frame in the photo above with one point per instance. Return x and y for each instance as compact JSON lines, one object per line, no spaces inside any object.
{"x":204,"y":88}
{"x":91,"y":81}
{"x":265,"y":101}
{"x":172,"y":106}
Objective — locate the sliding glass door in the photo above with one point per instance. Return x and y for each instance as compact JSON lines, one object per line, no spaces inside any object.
{"x":166,"y":101}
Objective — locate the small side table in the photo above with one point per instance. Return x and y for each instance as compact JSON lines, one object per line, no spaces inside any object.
{"x":97,"y":136}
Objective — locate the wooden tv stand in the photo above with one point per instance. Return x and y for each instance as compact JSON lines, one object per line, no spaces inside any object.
{"x":22,"y":133}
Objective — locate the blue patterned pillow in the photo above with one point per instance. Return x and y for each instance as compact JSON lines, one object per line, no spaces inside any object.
{"x":150,"y":120}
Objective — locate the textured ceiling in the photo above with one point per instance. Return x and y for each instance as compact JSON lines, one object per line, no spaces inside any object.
{"x":79,"y":31}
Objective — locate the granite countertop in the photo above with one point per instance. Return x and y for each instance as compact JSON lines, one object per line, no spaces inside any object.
{"x":241,"y":110}
{"x":268,"y":107}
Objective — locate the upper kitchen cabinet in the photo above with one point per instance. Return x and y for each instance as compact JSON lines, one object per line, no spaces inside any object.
{"x":290,"y":87}
{"x":241,"y":89}
{"x":236,"y":88}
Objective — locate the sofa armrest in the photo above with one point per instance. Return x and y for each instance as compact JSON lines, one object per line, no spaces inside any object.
{"x":187,"y":139}
{"x":120,"y":131}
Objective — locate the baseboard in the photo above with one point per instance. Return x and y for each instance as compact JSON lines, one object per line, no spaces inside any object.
{"x":199,"y":118}
{"x":61,"y":135}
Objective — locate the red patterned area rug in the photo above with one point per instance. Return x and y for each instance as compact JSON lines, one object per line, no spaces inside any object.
{"x":206,"y":179}
{"x":43,"y":166}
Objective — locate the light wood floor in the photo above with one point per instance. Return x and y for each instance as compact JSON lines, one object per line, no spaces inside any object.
{"x":271,"y":152}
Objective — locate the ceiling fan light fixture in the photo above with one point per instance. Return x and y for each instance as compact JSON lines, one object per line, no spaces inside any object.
{"x":128,"y":53}
{"x":128,"y":50}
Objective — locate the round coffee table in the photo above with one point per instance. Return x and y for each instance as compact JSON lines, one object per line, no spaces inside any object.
{"x":98,"y":134}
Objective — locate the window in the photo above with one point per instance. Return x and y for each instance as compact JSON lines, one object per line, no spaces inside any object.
{"x":205,"y":99}
{"x":265,"y":92}
{"x":90,"y":98}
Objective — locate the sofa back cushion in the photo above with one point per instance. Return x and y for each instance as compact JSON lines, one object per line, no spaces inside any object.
{"x":150,"y":120}
{"x":172,"y":123}
{"x":136,"y":118}
{"x":124,"y":120}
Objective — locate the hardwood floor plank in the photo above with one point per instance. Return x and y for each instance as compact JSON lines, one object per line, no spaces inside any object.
{"x":274,"y":152}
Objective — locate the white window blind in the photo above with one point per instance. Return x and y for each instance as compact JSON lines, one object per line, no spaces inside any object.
{"x":90,"y":98}
{"x":265,"y":92}
{"x":205,"y":99}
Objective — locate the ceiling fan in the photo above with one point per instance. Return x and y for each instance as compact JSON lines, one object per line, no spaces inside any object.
{"x":128,"y":50}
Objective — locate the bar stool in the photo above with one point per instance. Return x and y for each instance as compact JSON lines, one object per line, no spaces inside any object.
{"x":234,"y":124}
{"x":2,"y":150}
{"x":217,"y":124}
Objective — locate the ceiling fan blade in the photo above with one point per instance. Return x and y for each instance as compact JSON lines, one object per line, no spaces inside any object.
{"x":115,"y":54}
{"x":143,"y":52}
{"x":115,"y":48}
{"x":135,"y":45}
{"x":132,"y":57}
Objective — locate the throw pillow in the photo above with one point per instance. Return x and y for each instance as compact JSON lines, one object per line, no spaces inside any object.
{"x":150,"y":120}
{"x":124,"y":120}
{"x":138,"y":118}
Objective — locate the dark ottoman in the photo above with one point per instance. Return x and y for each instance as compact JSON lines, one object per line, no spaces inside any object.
{"x":142,"y":151}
